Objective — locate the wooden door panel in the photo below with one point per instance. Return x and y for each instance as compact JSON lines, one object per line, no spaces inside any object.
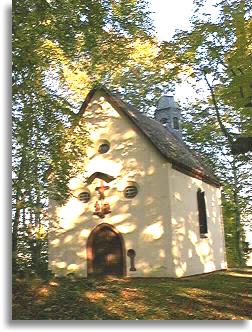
{"x":107,"y":253}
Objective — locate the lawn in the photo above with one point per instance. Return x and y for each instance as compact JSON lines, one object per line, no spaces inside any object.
{"x":220,"y":295}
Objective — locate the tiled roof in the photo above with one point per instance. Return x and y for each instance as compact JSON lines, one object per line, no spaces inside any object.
{"x":170,"y":146}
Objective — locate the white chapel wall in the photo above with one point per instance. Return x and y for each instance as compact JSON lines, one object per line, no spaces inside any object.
{"x":192,"y":254}
{"x":143,"y":221}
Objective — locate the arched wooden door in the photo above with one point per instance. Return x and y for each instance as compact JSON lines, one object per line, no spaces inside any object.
{"x":105,"y":251}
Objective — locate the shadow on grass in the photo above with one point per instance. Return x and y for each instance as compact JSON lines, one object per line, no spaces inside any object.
{"x":62,"y":299}
{"x":215,"y":297}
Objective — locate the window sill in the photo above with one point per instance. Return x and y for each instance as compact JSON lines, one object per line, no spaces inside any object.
{"x":204,"y":236}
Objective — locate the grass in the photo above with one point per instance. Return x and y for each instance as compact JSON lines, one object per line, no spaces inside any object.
{"x":217,"y":296}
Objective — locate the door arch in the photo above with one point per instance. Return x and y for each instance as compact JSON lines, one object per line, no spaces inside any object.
{"x":105,"y":251}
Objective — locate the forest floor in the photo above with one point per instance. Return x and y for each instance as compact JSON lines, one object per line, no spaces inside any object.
{"x":216,"y":296}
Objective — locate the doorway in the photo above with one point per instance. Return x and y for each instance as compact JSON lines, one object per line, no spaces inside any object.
{"x":105,"y":251}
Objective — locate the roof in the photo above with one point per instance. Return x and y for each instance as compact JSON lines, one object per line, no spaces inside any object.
{"x":168,"y":144}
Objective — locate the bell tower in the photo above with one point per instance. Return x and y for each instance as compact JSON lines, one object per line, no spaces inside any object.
{"x":168,"y":114}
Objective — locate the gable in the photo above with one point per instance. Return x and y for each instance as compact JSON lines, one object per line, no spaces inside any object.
{"x":165,"y":142}
{"x":130,"y":152}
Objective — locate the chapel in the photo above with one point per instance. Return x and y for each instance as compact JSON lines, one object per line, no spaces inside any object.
{"x":145,"y":206}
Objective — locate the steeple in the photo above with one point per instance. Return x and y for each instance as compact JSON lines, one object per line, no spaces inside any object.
{"x":168,"y":113}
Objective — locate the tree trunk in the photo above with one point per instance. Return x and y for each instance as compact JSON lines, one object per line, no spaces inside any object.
{"x":32,"y":242}
{"x":14,"y":234}
{"x":230,"y":140}
{"x":15,"y":221}
{"x":237,"y":215}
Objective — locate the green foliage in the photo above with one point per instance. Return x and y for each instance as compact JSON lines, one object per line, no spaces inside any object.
{"x":230,"y":232}
{"x":215,"y":56}
{"x":219,"y":49}
{"x":203,"y":134}
{"x":60,"y":51}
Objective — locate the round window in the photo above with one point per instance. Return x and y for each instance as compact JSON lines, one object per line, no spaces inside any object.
{"x":130,"y":191}
{"x":84,"y":196}
{"x":103,"y":148}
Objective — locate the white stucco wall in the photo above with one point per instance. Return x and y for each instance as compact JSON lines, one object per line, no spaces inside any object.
{"x":143,"y":221}
{"x":160,"y":223}
{"x":191,"y":253}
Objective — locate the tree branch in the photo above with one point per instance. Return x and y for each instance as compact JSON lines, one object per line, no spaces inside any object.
{"x":222,"y":127}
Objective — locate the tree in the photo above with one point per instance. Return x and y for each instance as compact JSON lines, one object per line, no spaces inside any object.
{"x":215,"y":56}
{"x":203,"y":134}
{"x":60,"y":51}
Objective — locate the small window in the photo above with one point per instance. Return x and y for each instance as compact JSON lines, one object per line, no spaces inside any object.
{"x":164,"y":121}
{"x":104,"y":147}
{"x":130,"y":191}
{"x":84,"y":196}
{"x":175,"y":123}
{"x":202,"y":212}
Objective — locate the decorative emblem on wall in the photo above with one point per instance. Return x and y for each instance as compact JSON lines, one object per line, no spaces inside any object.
{"x":101,"y":207}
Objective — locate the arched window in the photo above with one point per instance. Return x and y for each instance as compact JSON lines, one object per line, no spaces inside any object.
{"x":202,"y":212}
{"x":164,"y":121}
{"x":175,"y":123}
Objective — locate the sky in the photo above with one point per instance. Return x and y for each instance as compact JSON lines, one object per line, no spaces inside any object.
{"x":169,"y":15}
